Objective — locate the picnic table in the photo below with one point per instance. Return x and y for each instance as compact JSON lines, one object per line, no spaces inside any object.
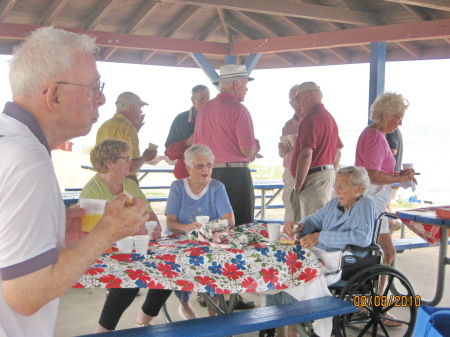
{"x":427,"y":215}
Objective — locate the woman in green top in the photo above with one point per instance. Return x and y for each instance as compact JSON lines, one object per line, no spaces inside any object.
{"x":112,"y":164}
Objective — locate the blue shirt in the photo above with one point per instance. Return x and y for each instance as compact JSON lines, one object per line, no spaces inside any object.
{"x":338,"y":228}
{"x":213,"y":201}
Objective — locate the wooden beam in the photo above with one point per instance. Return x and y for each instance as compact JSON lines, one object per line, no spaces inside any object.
{"x":221,"y":14}
{"x":311,"y":55}
{"x":261,"y":22}
{"x":413,"y":31}
{"x":417,"y":12}
{"x":141,"y":16}
{"x":442,"y":5}
{"x":340,"y":54}
{"x":411,"y":48}
{"x":286,"y":8}
{"x":97,"y":15}
{"x":120,"y":40}
{"x":6,"y":8}
{"x":207,"y":30}
{"x":175,"y":25}
{"x":52,"y":11}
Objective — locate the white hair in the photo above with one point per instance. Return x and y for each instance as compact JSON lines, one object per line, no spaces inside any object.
{"x":46,"y":54}
{"x":197,"y":150}
{"x":389,"y":102}
{"x":357,"y":175}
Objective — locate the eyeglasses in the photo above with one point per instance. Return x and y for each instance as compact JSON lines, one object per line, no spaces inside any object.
{"x":200,"y":167}
{"x":96,"y":89}
{"x":128,"y":159}
{"x":399,"y":118}
{"x":339,"y":188}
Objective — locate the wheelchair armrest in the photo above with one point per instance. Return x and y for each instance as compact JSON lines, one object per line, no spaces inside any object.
{"x":371,"y":248}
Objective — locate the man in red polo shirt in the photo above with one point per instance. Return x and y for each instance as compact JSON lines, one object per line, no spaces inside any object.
{"x":316,"y":153}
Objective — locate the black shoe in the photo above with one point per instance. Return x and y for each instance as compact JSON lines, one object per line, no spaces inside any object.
{"x":243,"y":304}
{"x":201,"y":301}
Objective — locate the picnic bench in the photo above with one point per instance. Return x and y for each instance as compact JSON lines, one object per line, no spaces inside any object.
{"x":245,"y":321}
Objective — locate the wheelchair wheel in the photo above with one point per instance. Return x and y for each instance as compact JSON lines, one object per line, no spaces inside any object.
{"x":363,"y":289}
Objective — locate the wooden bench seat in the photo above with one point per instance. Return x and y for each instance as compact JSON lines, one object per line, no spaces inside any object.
{"x":245,"y":321}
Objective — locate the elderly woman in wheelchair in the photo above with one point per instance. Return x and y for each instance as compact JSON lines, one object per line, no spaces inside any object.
{"x":348,"y":225}
{"x":347,"y":219}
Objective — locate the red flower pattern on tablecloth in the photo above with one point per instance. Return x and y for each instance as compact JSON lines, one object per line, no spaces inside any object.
{"x":78,"y":285}
{"x":167,"y":257}
{"x":169,"y":265}
{"x":206,"y":281}
{"x":250,"y":284}
{"x":138,"y":274}
{"x":186,"y":285}
{"x":222,"y":291}
{"x":111,"y":281}
{"x":154,"y":285}
{"x":166,"y":270}
{"x":292,"y":262}
{"x":94,"y":271}
{"x":270,"y":275}
{"x":308,"y":274}
{"x":195,"y":251}
{"x":231,"y":271}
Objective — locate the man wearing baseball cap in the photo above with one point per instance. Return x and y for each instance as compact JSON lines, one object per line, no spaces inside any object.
{"x":316,"y":153}
{"x":125,"y":126}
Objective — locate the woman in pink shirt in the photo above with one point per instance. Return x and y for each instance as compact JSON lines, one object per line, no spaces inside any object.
{"x":374,"y":154}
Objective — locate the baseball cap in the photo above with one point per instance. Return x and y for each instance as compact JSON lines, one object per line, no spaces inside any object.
{"x":127,"y":98}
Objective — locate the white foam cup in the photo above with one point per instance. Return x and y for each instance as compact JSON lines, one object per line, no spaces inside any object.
{"x":125,"y":245}
{"x":274,"y":231}
{"x":150,"y":225}
{"x":141,"y":244}
{"x":408,"y":166}
{"x":203,"y":219}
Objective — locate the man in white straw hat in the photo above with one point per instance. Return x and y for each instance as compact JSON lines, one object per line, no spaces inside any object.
{"x":316,"y":152}
{"x":124,"y":126}
{"x":225,"y":125}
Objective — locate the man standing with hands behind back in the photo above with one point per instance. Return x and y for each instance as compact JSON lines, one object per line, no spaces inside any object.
{"x":125,"y":126}
{"x":181,"y":132}
{"x":56,"y":92}
{"x":316,"y":154}
{"x":224,"y":124}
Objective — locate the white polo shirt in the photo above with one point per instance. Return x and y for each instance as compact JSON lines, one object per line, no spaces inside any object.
{"x":32,"y":217}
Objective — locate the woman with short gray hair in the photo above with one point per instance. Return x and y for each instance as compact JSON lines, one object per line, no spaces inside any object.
{"x":357,"y":176}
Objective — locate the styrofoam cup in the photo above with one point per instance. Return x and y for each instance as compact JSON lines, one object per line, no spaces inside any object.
{"x":94,"y":212}
{"x":125,"y":245}
{"x":274,"y":231}
{"x":141,"y":244}
{"x":150,"y":225}
{"x":408,"y":166}
{"x":203,"y":219}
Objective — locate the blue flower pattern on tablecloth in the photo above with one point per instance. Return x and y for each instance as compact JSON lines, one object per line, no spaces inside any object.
{"x":176,"y":260}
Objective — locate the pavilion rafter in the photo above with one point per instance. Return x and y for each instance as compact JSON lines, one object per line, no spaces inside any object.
{"x":292,"y":9}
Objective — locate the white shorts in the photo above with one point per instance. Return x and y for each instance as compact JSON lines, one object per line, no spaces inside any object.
{"x":381,"y":195}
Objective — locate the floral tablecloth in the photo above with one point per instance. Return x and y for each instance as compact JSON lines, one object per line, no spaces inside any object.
{"x":178,"y":263}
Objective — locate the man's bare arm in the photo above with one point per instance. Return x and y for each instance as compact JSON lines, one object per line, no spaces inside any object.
{"x":303,"y":166}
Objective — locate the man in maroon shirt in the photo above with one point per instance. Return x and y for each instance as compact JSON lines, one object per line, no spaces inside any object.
{"x":316,"y":153}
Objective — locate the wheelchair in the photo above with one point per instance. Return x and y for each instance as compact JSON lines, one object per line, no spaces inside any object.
{"x":369,"y":284}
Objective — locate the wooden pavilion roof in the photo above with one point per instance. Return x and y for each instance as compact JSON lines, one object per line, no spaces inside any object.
{"x":288,"y":33}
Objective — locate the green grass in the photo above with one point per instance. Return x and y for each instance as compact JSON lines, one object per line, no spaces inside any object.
{"x":267,"y":170}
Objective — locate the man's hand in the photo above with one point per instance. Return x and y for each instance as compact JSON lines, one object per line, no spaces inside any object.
{"x":190,"y":140}
{"x":73,"y":224}
{"x":120,"y":221}
{"x":149,"y":155}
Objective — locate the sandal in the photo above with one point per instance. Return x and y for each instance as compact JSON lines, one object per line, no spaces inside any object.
{"x":390,"y":321}
{"x":362,"y":312}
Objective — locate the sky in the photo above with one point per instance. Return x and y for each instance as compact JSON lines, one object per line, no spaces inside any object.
{"x":167,"y":90}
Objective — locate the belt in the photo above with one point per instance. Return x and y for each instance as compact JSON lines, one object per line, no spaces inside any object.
{"x":320,"y":168}
{"x":222,"y":165}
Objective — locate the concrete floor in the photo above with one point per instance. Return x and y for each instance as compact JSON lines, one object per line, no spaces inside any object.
{"x":80,"y":308}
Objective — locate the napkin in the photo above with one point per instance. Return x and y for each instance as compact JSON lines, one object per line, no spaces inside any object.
{"x":408,"y":184}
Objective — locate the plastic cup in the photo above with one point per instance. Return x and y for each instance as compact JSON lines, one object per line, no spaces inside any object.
{"x":408,"y":166}
{"x":291,"y":139}
{"x":152,"y":147}
{"x":150,"y":225}
{"x":203,"y":219}
{"x":94,"y":212}
{"x":141,"y":244}
{"x":274,"y":231}
{"x":125,"y":245}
